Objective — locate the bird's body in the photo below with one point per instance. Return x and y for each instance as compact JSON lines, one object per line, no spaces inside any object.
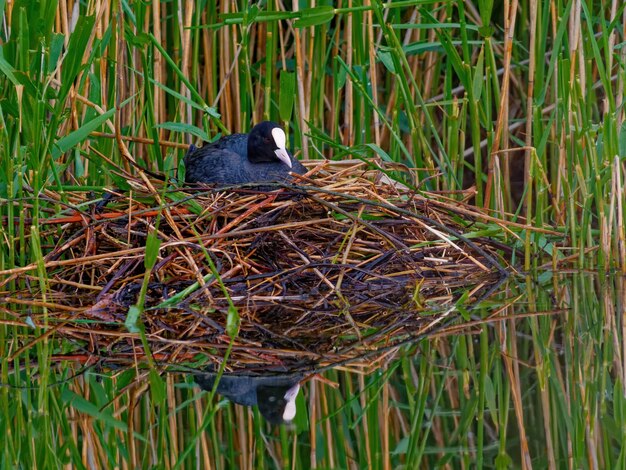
{"x":258,"y":157}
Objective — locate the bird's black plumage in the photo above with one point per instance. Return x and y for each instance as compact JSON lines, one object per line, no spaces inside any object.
{"x":257,"y":157}
{"x":274,"y":393}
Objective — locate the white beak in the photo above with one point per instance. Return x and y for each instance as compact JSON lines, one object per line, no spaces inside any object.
{"x":283,"y":156}
{"x":290,"y":408}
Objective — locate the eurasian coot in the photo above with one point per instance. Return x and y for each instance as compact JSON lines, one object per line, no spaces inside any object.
{"x":274,"y":393}
{"x":258,"y":157}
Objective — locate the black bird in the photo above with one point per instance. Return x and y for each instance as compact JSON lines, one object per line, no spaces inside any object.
{"x":258,"y":157}
{"x":274,"y":393}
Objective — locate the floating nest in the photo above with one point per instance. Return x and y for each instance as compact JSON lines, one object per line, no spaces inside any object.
{"x":344,"y":264}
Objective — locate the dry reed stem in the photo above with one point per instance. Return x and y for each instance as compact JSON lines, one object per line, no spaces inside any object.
{"x":320,"y":274}
{"x":503,"y":116}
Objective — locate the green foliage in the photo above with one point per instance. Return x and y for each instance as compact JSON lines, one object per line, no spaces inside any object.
{"x":437,"y":86}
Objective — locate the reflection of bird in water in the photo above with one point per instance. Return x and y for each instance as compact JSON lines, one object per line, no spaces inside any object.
{"x":258,"y":157}
{"x":274,"y":394}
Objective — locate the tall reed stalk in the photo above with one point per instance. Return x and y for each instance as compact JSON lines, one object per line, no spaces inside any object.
{"x":516,"y":104}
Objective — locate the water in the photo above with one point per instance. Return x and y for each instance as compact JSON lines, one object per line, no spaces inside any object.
{"x":532,"y":376}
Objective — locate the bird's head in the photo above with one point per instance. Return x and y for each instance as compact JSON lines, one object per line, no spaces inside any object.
{"x":267,"y":142}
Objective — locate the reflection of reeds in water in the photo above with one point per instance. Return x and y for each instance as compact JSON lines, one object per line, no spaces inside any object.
{"x":523,"y":99}
{"x":323,"y":271}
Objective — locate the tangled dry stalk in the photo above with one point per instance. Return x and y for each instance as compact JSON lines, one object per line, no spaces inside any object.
{"x":330,"y":269}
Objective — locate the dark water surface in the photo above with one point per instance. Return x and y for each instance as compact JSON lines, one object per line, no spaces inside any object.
{"x":532,"y":376}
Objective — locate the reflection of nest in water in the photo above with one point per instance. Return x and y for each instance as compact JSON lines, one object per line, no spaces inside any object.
{"x":322,"y":272}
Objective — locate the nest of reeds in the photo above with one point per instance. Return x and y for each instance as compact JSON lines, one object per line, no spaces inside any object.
{"x":341,"y":264}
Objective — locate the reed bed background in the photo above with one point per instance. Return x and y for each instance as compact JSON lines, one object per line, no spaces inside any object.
{"x":517,"y":103}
